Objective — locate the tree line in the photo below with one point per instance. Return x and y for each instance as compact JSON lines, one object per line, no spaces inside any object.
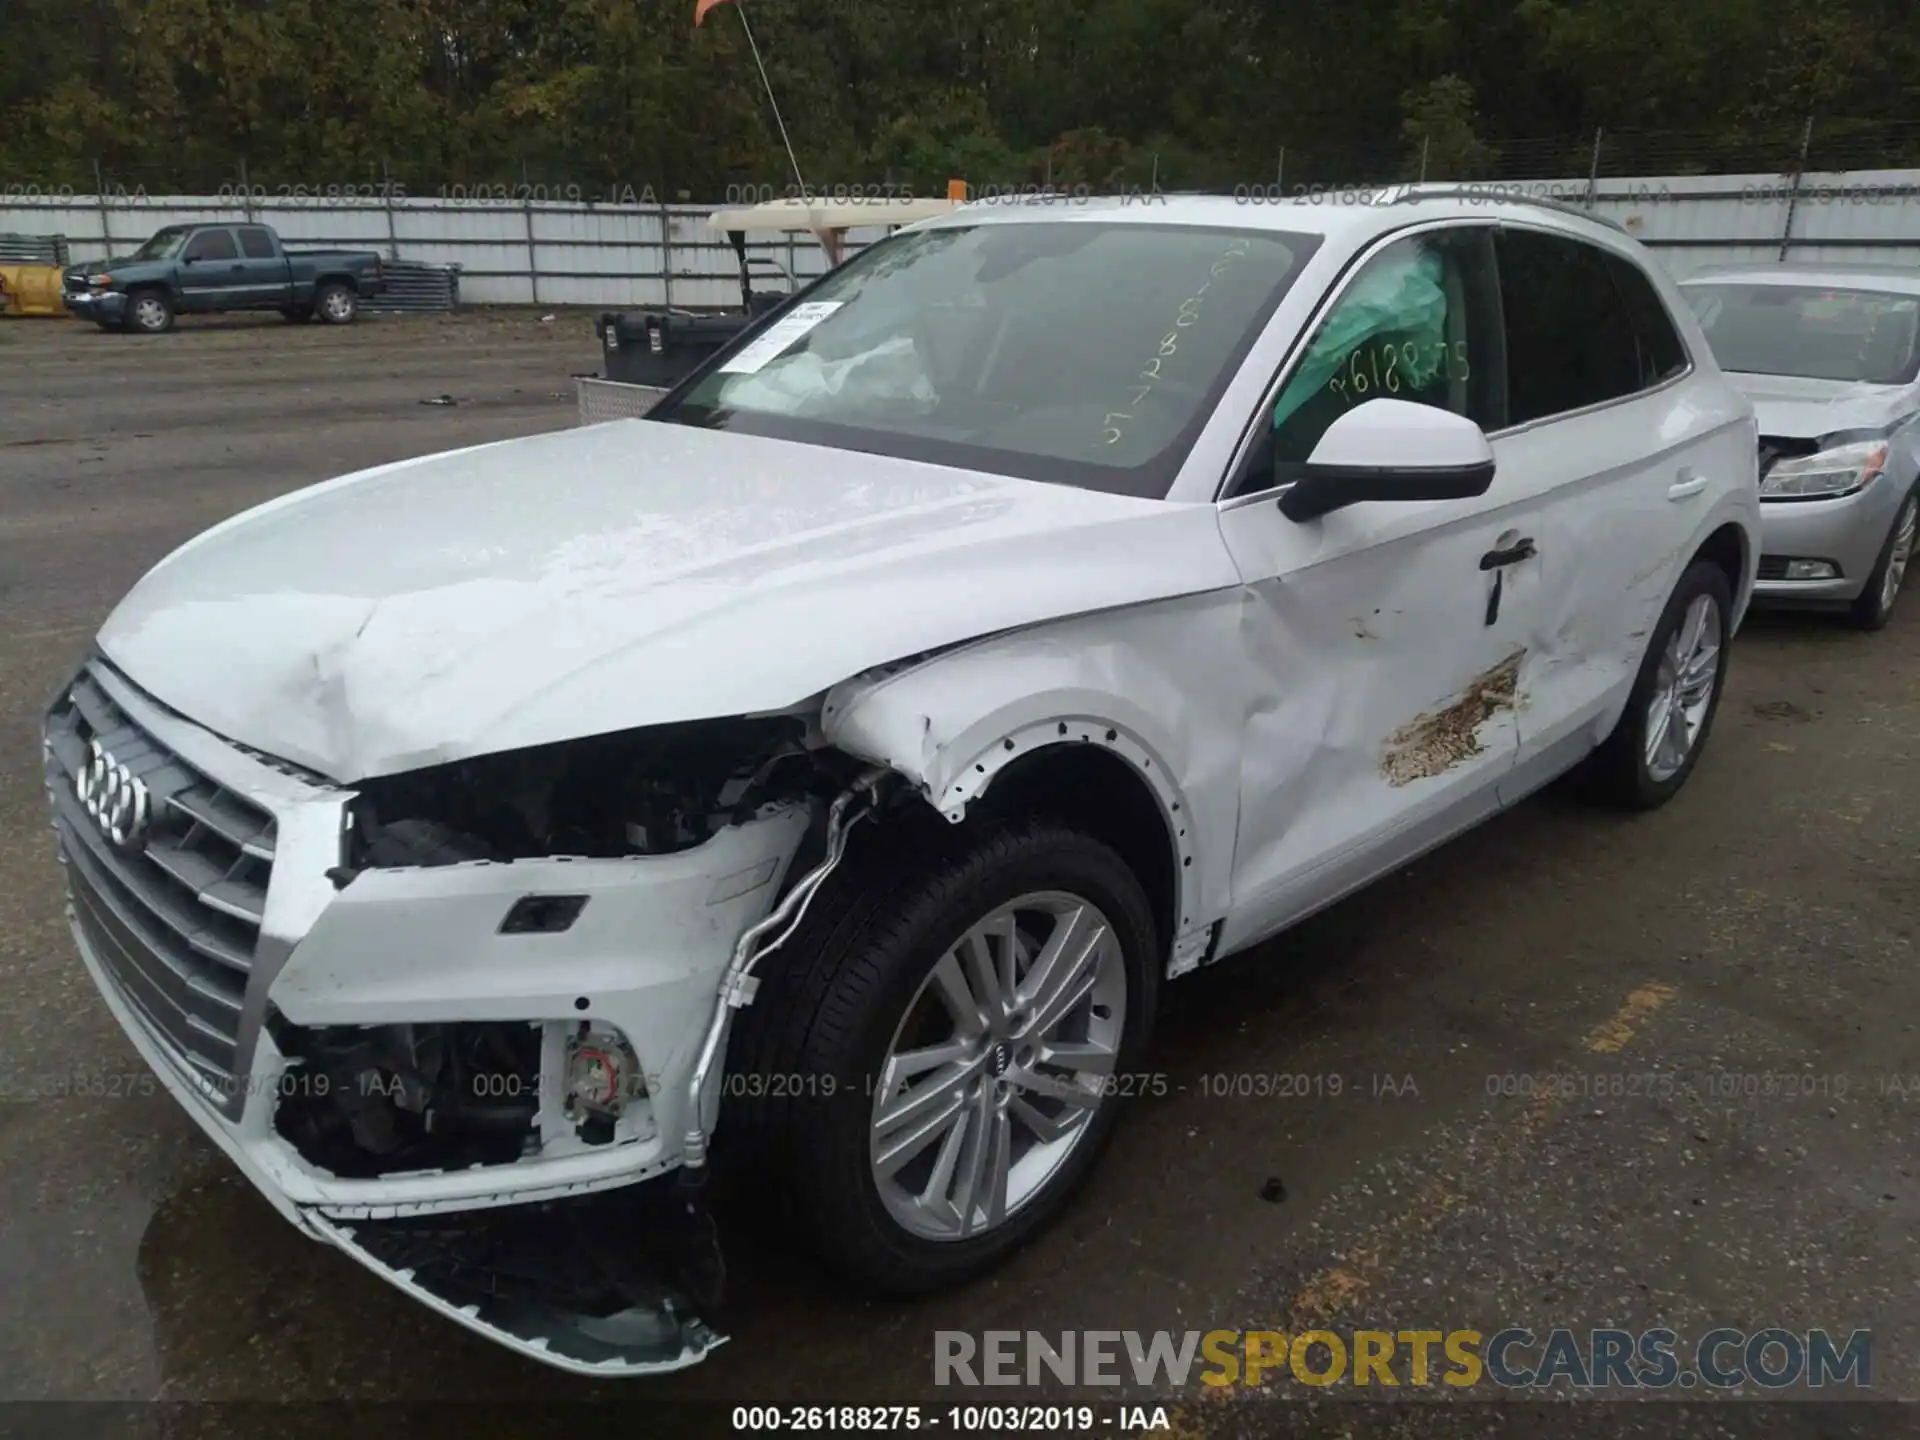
{"x":190,"y":94}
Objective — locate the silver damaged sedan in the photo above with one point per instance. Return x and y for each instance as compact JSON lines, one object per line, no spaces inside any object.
{"x":1830,"y":357}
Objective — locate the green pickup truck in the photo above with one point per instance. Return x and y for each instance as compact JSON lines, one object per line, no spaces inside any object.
{"x":201,"y":269}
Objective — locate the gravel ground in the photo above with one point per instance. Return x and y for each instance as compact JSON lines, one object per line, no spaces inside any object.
{"x":1725,"y":989}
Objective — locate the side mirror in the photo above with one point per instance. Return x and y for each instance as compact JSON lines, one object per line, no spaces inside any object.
{"x":1391,"y":450}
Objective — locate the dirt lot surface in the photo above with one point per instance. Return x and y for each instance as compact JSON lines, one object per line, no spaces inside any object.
{"x":1591,"y":1071}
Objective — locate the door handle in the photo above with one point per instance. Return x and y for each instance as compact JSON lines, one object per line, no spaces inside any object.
{"x":1512,"y":555}
{"x":1686,"y":485}
{"x":1497,"y":561}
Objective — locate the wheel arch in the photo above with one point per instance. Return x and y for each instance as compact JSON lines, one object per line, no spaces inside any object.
{"x":1730,"y":548}
{"x":1101,"y":780}
{"x":981,"y":743}
{"x":166,"y":289}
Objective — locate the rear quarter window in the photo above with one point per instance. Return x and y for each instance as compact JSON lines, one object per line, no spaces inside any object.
{"x":1571,"y":342}
{"x":1663,"y":354}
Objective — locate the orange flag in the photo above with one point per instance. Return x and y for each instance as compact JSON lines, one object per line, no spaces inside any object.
{"x":700,"y":9}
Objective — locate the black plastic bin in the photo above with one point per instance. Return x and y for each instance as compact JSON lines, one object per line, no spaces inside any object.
{"x":659,"y":347}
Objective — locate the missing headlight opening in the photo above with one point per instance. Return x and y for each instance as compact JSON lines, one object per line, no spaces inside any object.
{"x":647,"y":792}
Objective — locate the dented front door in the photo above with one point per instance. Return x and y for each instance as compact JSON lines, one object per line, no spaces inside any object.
{"x":1383,"y":675}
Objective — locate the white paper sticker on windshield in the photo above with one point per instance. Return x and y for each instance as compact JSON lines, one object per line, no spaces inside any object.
{"x":781,"y":337}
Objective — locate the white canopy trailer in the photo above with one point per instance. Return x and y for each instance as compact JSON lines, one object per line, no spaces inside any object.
{"x":640,"y":376}
{"x":665,"y":344}
{"x":827,"y":220}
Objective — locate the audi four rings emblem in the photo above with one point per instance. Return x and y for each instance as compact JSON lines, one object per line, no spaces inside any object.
{"x":116,"y":798}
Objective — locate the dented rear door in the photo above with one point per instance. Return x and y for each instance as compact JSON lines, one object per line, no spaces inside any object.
{"x":1602,"y":418}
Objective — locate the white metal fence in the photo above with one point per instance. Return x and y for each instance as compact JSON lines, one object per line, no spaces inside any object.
{"x":622,"y":256}
{"x":509,"y":253}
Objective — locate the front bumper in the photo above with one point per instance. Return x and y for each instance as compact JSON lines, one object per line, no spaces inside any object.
{"x":106,"y":307}
{"x":1847,"y":533}
{"x":375,"y":1223}
{"x":422,"y":946}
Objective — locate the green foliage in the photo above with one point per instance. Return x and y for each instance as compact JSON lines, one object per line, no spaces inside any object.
{"x":190,"y":94}
{"x":1441,"y":131}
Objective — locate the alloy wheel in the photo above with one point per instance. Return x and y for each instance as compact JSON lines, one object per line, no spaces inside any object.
{"x":1002,"y":1059}
{"x":1683,"y":689}
{"x":1902,"y":553}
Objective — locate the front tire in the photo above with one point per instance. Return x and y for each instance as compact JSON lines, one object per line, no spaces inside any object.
{"x":1654,"y":748}
{"x":1874,"y":607}
{"x":149,"y":312}
{"x":932,"y":1071}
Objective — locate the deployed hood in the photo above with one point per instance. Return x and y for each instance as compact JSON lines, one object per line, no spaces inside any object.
{"x":1796,"y":409}
{"x":606,"y":578}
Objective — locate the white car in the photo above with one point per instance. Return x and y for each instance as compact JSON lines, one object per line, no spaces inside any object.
{"x":1830,"y":357}
{"x":1052,"y":601}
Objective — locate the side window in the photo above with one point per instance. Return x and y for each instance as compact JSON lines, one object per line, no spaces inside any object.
{"x":1662,"y":355}
{"x":1420,"y":321}
{"x":211,"y":245}
{"x":1570,"y":339}
{"x":255,"y":243}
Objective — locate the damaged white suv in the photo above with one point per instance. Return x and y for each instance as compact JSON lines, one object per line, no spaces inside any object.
{"x":835,"y":764}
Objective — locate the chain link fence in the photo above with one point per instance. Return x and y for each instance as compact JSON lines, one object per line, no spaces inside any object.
{"x":1773,"y":147}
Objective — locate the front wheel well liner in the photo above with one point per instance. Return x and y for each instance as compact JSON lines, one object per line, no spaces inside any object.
{"x":1094,"y":789}
{"x":1727,"y":548}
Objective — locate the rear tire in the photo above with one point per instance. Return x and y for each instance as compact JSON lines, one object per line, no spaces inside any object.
{"x":857,"y":998}
{"x":336,"y":303}
{"x":1642,"y":765}
{"x":1874,"y":607}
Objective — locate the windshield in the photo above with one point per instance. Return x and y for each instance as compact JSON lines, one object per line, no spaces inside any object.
{"x":1813,"y":332}
{"x":1079,"y":352}
{"x":162,"y":244}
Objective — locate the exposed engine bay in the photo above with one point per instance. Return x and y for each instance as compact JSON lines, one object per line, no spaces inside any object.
{"x":649,"y":792}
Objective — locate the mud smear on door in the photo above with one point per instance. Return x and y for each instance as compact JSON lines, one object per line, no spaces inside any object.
{"x":1435,"y":741}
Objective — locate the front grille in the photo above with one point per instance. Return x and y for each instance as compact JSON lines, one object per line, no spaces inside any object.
{"x":1773,"y":567}
{"x":174,"y":915}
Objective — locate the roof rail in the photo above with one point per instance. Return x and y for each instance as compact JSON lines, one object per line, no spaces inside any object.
{"x":1489,"y":191}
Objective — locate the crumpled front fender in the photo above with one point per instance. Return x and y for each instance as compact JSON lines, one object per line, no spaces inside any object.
{"x":1125,"y":680}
